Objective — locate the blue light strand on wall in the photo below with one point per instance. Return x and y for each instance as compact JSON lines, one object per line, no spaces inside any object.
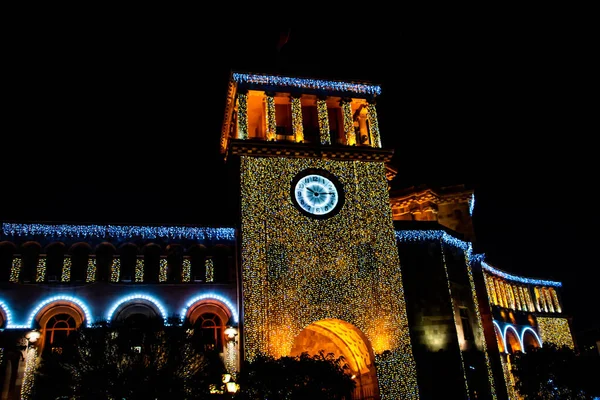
{"x":417,"y":236}
{"x":7,"y":313}
{"x":515,"y":278}
{"x":81,"y":304}
{"x":137,"y":296}
{"x":362,"y":88}
{"x":118,"y":231}
{"x":210,"y":296}
{"x":472,"y":204}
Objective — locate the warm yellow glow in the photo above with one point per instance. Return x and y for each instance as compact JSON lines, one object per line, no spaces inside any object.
{"x":33,"y":336}
{"x":297,"y":127}
{"x":555,"y":330}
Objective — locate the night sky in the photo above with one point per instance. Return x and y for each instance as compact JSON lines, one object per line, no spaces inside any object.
{"x":104,"y":123}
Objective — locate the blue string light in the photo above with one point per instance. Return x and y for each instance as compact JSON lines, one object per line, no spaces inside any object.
{"x":210,"y":296}
{"x":81,"y":304}
{"x":362,"y":88}
{"x":7,"y":313}
{"x":151,"y":299}
{"x":118,"y":231}
{"x":520,"y":279}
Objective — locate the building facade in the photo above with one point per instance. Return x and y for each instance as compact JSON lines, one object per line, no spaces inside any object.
{"x":325,"y":258}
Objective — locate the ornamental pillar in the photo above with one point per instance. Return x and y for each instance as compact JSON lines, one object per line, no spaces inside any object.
{"x":271,"y":123}
{"x":242,"y":116}
{"x":297,"y":128}
{"x":373,"y":125}
{"x":325,"y":135}
{"x":348,"y":122}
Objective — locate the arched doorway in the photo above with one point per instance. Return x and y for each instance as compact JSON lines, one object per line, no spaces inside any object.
{"x":530,"y":339}
{"x":511,"y":338}
{"x":342,"y":339}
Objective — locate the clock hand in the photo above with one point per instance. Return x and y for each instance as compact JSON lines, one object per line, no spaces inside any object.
{"x":310,"y":190}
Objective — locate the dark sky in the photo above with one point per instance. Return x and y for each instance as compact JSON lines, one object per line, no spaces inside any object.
{"x":121,"y":123}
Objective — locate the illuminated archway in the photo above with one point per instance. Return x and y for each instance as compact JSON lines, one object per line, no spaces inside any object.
{"x":499,"y":338}
{"x":512,"y":342}
{"x":342,"y":339}
{"x":139,"y":304}
{"x":64,"y":314}
{"x":530,"y":339}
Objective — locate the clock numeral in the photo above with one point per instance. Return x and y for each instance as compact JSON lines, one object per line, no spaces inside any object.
{"x":326,"y":208}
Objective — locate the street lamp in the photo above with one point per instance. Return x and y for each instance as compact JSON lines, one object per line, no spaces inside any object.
{"x":32,"y":336}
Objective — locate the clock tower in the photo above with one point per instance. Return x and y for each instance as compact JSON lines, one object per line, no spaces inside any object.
{"x":319,"y":262}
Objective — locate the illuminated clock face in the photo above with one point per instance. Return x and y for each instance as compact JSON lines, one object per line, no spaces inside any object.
{"x":317,"y":194}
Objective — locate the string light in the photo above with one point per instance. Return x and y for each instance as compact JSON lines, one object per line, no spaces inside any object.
{"x":139,"y":270}
{"x":316,"y":84}
{"x":71,"y":299}
{"x":7,"y":314}
{"x":91,"y":270}
{"x":242,"y":116}
{"x":15,"y":270}
{"x":348,"y":123}
{"x":323,"y":122}
{"x":210,"y":296}
{"x":40,"y":270}
{"x":555,"y":330}
{"x":163,"y":268}
{"x":65,"y":275}
{"x":133,"y":297}
{"x":297,"y":127}
{"x":299,"y":270}
{"x":520,"y":279}
{"x":28,"y":376}
{"x":118,"y":231}
{"x":271,"y":123}
{"x":210,"y":270}
{"x":373,"y":126}
{"x":115,"y":270}
{"x":186,"y":270}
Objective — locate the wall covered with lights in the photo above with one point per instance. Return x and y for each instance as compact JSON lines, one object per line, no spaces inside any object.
{"x":297,"y":270}
{"x":555,"y":330}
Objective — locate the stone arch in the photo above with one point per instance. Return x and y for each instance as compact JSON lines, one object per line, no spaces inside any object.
{"x":55,"y":307}
{"x":7,"y":252}
{"x":137,"y":307}
{"x":530,"y":339}
{"x":499,"y":338}
{"x":512,"y":342}
{"x":342,"y":339}
{"x":210,"y":317}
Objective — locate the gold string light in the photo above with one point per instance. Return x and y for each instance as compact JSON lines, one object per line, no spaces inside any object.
{"x":210,"y":270}
{"x":348,"y":123}
{"x":298,"y":270}
{"x":242,"y":116}
{"x":271,"y":121}
{"x":91,"y":270}
{"x":40,"y":270}
{"x":323,"y":122}
{"x":555,"y":330}
{"x":162,"y":268}
{"x":65,"y":275}
{"x":15,"y":269}
{"x":186,"y":270}
{"x":115,"y":270}
{"x":139,"y":270}
{"x":297,"y":127}
{"x":373,"y":125}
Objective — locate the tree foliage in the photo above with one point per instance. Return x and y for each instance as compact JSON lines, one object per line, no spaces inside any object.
{"x":552,"y":372}
{"x":124,"y":363}
{"x":317,"y":377}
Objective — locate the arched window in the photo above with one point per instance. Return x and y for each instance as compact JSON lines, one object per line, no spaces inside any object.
{"x":210,"y":329}
{"x":57,"y":330}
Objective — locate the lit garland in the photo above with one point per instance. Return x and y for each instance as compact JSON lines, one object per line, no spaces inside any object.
{"x":139,"y":270}
{"x":373,"y":126}
{"x":211,"y":296}
{"x":210,"y":270}
{"x":163,"y":268}
{"x":325,"y":135}
{"x":70,"y":299}
{"x":508,"y":377}
{"x":297,"y":127}
{"x":15,"y":270}
{"x":324,"y":85}
{"x":40,"y":270}
{"x":186,"y":270}
{"x":348,"y":123}
{"x":555,"y":298}
{"x":456,"y":320}
{"x":119,"y":231}
{"x":133,"y":297}
{"x":29,"y":374}
{"x":520,"y":279}
{"x":230,"y":358}
{"x":480,"y":324}
{"x":242,"y":116}
{"x":7,"y":314}
{"x":65,"y":275}
{"x":271,"y":123}
{"x":548,"y":300}
{"x":115,"y":270}
{"x":555,"y":330}
{"x":296,"y":270}
{"x":91,"y":270}
{"x":417,"y":236}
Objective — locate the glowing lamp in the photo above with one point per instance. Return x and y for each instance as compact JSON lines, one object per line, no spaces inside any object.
{"x":33,"y":336}
{"x":231,"y":332}
{"x":232,"y":387}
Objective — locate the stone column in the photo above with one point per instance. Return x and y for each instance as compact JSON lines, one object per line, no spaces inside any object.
{"x":297,"y":127}
{"x":348,"y":122}
{"x":325,"y":136}
{"x":242,"y":116}
{"x":270,"y":117}
{"x":373,"y":126}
